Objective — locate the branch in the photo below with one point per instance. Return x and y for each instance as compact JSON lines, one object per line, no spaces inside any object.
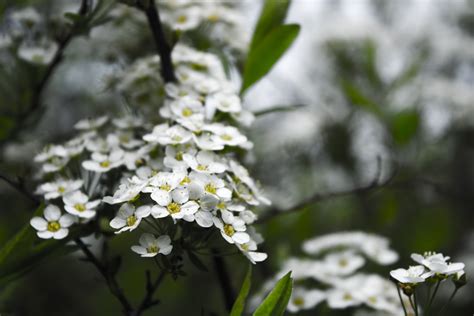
{"x":37,"y":93}
{"x":20,"y":188}
{"x":110,"y":279}
{"x":164,"y":50}
{"x":319,"y":197}
{"x":224,"y":280}
{"x":151,"y":288}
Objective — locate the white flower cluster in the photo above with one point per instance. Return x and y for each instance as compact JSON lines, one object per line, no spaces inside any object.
{"x":334,"y":278}
{"x":184,"y":168}
{"x":430,"y":266}
{"x":26,"y":36}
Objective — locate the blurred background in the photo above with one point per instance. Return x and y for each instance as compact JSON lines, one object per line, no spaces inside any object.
{"x":372,"y":90}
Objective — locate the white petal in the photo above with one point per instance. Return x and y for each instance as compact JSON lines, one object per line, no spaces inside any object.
{"x":241,"y":237}
{"x":45,"y":234}
{"x":180,"y":195}
{"x":146,"y":239}
{"x":60,"y":234}
{"x":138,"y":249}
{"x":118,"y":222}
{"x":163,"y":241}
{"x":159,"y":211}
{"x":190,"y":207}
{"x":143,"y":211}
{"x":66,"y":220}
{"x":52,"y":213}
{"x":38,"y":223}
{"x":166,"y":250}
{"x":161,"y":197}
{"x":204,"y":218}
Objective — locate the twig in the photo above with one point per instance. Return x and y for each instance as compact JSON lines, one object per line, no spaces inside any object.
{"x":110,"y":279}
{"x":37,"y":93}
{"x":319,"y":197}
{"x":151,"y":287}
{"x":224,"y":280}
{"x":20,"y":188}
{"x":164,"y":49}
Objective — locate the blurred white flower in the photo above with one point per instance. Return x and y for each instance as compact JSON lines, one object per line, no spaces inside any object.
{"x":412,"y":275}
{"x":40,"y":54}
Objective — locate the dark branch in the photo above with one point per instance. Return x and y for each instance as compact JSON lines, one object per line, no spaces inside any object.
{"x":319,"y":197}
{"x":164,"y":49}
{"x":151,"y":288}
{"x":109,"y":278}
{"x":224,"y":280}
{"x":19,"y":186}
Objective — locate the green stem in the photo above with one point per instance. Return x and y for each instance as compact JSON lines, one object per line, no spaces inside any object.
{"x":432,"y":297}
{"x":416,"y":303}
{"x":449,"y":301}
{"x":401,"y":301}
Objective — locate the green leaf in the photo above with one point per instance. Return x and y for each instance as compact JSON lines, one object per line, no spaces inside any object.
{"x":357,"y":97}
{"x":275,"y":303}
{"x":273,"y":14}
{"x":239,"y":303}
{"x":404,"y":126}
{"x":265,"y":55}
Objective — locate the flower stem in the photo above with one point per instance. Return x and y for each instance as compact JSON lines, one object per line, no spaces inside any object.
{"x":401,"y":300}
{"x":432,"y":297}
{"x":449,"y":301}
{"x":416,"y":303}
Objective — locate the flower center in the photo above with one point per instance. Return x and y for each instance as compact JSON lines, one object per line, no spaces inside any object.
{"x":343,"y":263}
{"x":80,"y":207}
{"x":179,"y":156}
{"x":213,"y":18}
{"x":298,"y":301}
{"x":152,"y":249}
{"x":347,"y":297}
{"x":373,"y":299}
{"x":229,"y":230}
{"x":53,"y":226}
{"x":182,"y":19}
{"x":245,"y":247}
{"x":165,"y":187}
{"x":61,"y":189}
{"x":211,"y":188}
{"x":226,"y":137}
{"x":177,"y":138}
{"x":201,"y":167}
{"x":131,"y":220}
{"x":187,"y":112}
{"x":185,"y":180}
{"x":221,"y":205}
{"x":105,"y":163}
{"x":174,"y":208}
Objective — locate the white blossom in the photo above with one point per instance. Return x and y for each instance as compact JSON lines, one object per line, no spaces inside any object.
{"x":151,"y":246}
{"x":53,"y":225}
{"x":128,"y":218}
{"x":78,"y":204}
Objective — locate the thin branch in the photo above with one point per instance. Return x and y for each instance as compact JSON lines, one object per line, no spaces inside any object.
{"x":151,"y":288}
{"x":319,"y":197}
{"x":164,"y":49}
{"x":20,"y":188}
{"x":38,"y":90}
{"x":110,"y":279}
{"x":224,"y":280}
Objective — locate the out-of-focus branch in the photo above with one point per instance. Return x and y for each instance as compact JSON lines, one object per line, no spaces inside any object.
{"x":37,"y":93}
{"x":164,"y":49}
{"x":224,"y":280}
{"x":112,"y":283}
{"x":19,"y":186}
{"x":151,"y":288}
{"x":319,"y":197}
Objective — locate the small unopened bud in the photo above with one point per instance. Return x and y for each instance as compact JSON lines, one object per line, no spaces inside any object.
{"x":459,"y":279}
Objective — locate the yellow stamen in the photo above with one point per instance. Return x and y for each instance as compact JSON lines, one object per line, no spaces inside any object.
{"x":229,"y":230}
{"x":174,"y":208}
{"x":53,"y":226}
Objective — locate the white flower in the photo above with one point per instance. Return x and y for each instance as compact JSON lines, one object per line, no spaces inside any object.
{"x":205,"y":162}
{"x":165,"y":135}
{"x":229,"y":103}
{"x":249,"y":250}
{"x":161,"y":186}
{"x":187,"y":107}
{"x":91,"y":123}
{"x":128,"y":122}
{"x":343,"y":263}
{"x":412,"y":275}
{"x":226,"y":135}
{"x":53,"y":225}
{"x":178,"y":207}
{"x":210,"y":184}
{"x":77,"y":203}
{"x":151,"y":246}
{"x":437,"y":263}
{"x":232,"y":228}
{"x":41,"y":55}
{"x":186,"y":19}
{"x":104,"y":163}
{"x":303,"y":299}
{"x":174,"y":156}
{"x":128,"y":218}
{"x":60,"y":187}
{"x":129,"y":190}
{"x":205,"y":141}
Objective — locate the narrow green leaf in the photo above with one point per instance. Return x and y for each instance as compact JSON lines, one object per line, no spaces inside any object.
{"x":265,"y":55}
{"x":358,"y":98}
{"x":273,"y":14}
{"x":239,"y":303}
{"x":275,"y":303}
{"x":404,"y":126}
